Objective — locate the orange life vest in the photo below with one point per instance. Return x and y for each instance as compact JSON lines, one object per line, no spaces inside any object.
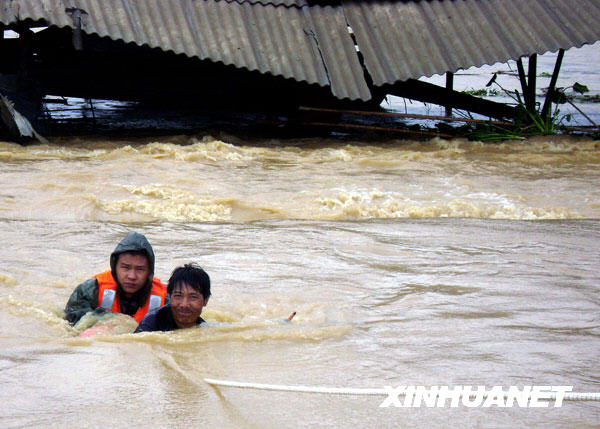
{"x":108,"y":298}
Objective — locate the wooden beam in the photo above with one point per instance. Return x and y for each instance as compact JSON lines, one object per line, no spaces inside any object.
{"x":449,"y":87}
{"x":552,"y":87}
{"x":2,"y":45}
{"x":25,"y":51}
{"x":429,"y":93}
{"x":375,"y":128}
{"x":402,"y":115}
{"x":522,"y":77}
{"x":76,"y":15}
{"x":531,"y":83}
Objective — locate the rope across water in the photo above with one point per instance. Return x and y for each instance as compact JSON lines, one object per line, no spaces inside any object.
{"x":568,"y":396}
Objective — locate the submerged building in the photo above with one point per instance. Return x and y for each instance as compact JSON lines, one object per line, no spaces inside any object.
{"x":272,"y":54}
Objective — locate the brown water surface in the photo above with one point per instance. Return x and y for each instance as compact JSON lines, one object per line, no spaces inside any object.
{"x":408,"y":263}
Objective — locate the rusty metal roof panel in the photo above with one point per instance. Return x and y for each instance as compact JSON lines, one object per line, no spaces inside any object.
{"x":410,"y":39}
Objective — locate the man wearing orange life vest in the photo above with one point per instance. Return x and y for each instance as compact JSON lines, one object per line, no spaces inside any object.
{"x":129,"y":287}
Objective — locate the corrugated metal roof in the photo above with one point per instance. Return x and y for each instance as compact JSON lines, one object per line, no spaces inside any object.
{"x":309,"y":40}
{"x":411,"y":39}
{"x":283,"y":38}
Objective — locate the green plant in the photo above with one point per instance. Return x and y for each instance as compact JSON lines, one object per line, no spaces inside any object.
{"x":495,"y":135}
{"x":559,"y":96}
{"x":543,"y":125}
{"x":482,"y":92}
{"x":476,"y":92}
{"x":527,"y":122}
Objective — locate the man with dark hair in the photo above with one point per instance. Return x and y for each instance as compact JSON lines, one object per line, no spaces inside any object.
{"x":189,"y":291}
{"x":129,"y":287}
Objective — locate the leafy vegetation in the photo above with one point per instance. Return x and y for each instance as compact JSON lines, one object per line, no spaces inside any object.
{"x":482,"y":92}
{"x":529,"y":122}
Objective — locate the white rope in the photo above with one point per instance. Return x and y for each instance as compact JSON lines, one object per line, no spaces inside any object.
{"x":305,"y":389}
{"x":568,"y":396}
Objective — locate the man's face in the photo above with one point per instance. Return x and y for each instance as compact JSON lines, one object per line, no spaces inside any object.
{"x":132,"y":272}
{"x":186,"y":304}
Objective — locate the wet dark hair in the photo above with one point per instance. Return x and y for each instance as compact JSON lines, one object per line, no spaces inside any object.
{"x":134,"y":253}
{"x":192,"y":275}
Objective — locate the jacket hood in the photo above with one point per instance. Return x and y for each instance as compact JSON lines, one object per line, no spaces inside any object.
{"x":133,"y":242}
